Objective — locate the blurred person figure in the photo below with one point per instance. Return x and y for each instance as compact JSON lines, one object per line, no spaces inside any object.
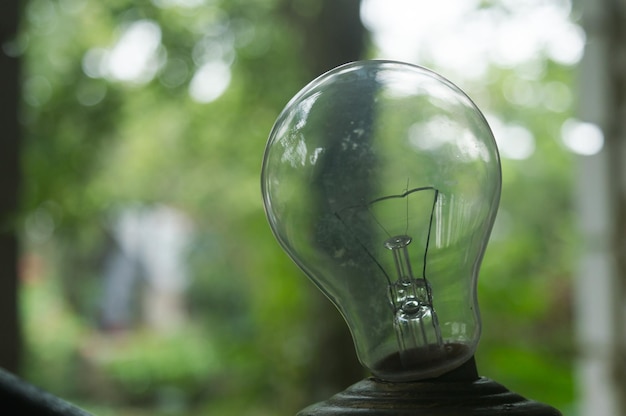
{"x":145,"y":272}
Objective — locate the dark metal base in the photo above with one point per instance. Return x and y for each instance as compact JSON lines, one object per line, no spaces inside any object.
{"x":18,"y":397}
{"x":480,"y":397}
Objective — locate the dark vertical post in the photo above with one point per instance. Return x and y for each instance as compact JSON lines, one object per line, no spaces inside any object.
{"x":333,"y":34}
{"x":9,"y":184}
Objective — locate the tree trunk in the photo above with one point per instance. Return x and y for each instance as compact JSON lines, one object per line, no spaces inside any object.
{"x":333,"y":35}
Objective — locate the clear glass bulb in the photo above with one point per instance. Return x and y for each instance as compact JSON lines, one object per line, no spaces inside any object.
{"x":381,"y":180}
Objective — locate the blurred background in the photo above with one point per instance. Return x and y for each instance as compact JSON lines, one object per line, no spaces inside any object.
{"x":139,"y":274}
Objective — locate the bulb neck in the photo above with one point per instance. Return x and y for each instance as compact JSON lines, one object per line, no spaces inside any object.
{"x":465,"y":372}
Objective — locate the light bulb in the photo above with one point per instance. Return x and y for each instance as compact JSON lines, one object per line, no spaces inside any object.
{"x":381,"y":180}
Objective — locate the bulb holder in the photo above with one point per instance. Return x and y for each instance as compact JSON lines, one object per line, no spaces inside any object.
{"x":454,"y":394}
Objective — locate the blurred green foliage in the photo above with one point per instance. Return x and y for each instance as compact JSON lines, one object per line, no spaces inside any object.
{"x":96,"y":142}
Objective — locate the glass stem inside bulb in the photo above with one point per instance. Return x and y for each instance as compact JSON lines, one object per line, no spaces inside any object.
{"x":415,"y":320}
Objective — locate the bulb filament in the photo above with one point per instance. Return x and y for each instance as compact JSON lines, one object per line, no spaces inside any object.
{"x":414,"y":318}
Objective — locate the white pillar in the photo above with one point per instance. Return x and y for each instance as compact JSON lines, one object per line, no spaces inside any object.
{"x":599,"y":286}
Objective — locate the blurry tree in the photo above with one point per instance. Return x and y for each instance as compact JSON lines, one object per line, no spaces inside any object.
{"x":170,"y":102}
{"x":520,"y":71}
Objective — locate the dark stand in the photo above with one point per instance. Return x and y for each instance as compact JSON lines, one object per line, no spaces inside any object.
{"x":459,"y":393}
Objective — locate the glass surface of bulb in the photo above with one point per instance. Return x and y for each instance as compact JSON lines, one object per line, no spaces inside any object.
{"x":381,"y":180}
